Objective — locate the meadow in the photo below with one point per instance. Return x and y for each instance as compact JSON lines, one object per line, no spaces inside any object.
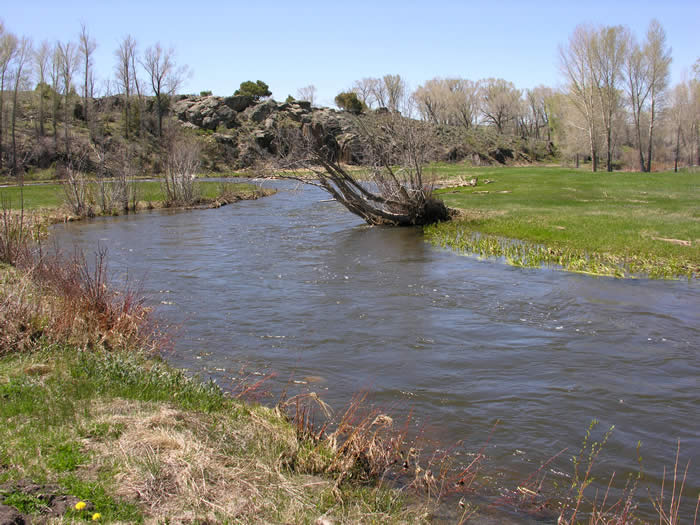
{"x":603,"y":223}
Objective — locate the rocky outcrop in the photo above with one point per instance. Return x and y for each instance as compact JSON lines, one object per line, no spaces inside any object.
{"x":242,"y":125}
{"x":245,"y":129}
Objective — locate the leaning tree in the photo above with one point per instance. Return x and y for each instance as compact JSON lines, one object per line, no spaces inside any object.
{"x":390,"y":188}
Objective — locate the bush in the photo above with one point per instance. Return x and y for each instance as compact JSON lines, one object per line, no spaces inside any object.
{"x":256,"y":90}
{"x":348,"y":101}
{"x":205,"y":93}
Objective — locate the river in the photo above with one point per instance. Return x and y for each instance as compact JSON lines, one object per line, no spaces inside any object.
{"x":295,"y":285}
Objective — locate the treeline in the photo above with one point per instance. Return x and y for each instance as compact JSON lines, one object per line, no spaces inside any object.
{"x":617,"y":105}
{"x":53,"y":109}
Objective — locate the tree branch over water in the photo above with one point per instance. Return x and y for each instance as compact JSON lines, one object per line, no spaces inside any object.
{"x":392,"y":188}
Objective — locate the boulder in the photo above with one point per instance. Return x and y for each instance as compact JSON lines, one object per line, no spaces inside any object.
{"x":239,"y":103}
{"x":260,"y":112}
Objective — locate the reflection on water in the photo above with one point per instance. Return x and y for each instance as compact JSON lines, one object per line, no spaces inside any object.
{"x":298,"y":286}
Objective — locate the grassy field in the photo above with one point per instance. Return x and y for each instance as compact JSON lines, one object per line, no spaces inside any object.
{"x":51,"y":195}
{"x":602,"y":223}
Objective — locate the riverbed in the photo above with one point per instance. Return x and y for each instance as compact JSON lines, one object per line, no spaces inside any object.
{"x":482,"y":354}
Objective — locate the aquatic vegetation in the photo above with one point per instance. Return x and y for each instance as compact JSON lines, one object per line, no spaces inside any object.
{"x":461,"y":237}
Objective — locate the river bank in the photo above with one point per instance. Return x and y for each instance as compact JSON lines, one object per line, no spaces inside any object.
{"x":90,"y":413}
{"x":612,"y":224}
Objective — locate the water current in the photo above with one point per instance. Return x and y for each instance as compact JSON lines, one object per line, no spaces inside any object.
{"x":295,"y":285}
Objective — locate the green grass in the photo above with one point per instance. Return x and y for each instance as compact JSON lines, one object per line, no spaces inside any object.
{"x":140,"y":441}
{"x":51,"y":196}
{"x":603,"y":223}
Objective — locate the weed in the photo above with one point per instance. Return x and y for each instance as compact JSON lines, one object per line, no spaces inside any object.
{"x":25,"y":503}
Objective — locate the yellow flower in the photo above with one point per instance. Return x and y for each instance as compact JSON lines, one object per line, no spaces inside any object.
{"x":80,"y":505}
{"x":96,"y":516}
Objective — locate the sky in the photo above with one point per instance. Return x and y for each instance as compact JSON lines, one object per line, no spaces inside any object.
{"x":332,"y":43}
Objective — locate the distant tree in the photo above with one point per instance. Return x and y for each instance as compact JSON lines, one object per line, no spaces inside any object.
{"x":42,"y":58}
{"x":67,"y":57}
{"x":307,"y":93}
{"x":165,"y":77}
{"x":206,"y":93}
{"x":55,"y":74}
{"x":348,"y":101}
{"x":365,"y":90}
{"x":8,"y":49}
{"x":290,"y":99}
{"x":125,"y":75}
{"x":658,"y":57}
{"x":608,"y":48}
{"x":87,"y":47}
{"x":388,"y":92}
{"x":453,"y":101}
{"x":395,"y":90}
{"x":577,"y":67}
{"x":500,"y":102}
{"x":257,"y":90}
{"x":680,"y":113}
{"x":538,"y":111}
{"x":20,"y":76}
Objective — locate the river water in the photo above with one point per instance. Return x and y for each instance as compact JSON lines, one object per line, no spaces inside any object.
{"x":295,"y":285}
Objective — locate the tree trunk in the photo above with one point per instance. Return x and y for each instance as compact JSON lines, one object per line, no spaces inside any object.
{"x":2,"y":104}
{"x":651,"y":134}
{"x":594,"y":152}
{"x":678,"y":149}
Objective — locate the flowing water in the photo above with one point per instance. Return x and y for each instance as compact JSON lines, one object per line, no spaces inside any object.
{"x":294,"y":284}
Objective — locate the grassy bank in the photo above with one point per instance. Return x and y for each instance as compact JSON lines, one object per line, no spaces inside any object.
{"x":51,"y":196}
{"x":89,"y":413}
{"x":616,"y":224}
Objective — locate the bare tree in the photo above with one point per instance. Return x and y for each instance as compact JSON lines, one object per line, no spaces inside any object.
{"x":577,"y":67}
{"x":165,"y":77}
{"x":395,"y":89}
{"x":8,"y":49}
{"x":431,"y":99}
{"x":637,"y":90}
{"x":395,"y":151}
{"x":55,"y":73}
{"x":307,"y":93}
{"x":500,"y":102}
{"x":68,"y":63}
{"x":538,"y":100}
{"x":658,"y":56}
{"x":608,"y":48}
{"x":365,"y":90}
{"x":453,"y":101}
{"x":42,"y":59}
{"x":87,"y":46}
{"x":680,"y":112}
{"x":124,"y":74}
{"x":20,"y":77}
{"x":182,"y":163}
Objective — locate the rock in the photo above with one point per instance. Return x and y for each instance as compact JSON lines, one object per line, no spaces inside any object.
{"x":264,"y":137}
{"x":304,"y":104}
{"x":260,"y":112}
{"x":350,"y":148}
{"x":10,"y":516}
{"x":239,"y":103}
{"x":221,"y":138}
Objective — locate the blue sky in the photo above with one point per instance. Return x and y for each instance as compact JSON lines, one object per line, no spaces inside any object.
{"x":332,"y":43}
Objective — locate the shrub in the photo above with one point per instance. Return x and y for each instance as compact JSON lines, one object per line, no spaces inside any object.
{"x":348,"y":101}
{"x":256,"y":90}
